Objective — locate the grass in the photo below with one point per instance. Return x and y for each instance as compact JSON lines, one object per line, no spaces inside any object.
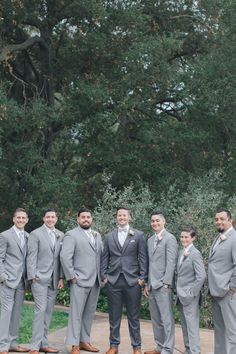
{"x":59,"y":320}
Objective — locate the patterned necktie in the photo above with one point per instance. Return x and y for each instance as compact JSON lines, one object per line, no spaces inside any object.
{"x":52,"y":237}
{"x":91,"y":237}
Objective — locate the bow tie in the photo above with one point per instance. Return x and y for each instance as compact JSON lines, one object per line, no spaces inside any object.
{"x":123,"y":229}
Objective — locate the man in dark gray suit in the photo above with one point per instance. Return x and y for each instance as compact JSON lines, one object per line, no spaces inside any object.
{"x":124,"y":268}
{"x":162,"y":253}
{"x":222,"y":283}
{"x":80,"y":258}
{"x":13,"y":246}
{"x":46,"y":276}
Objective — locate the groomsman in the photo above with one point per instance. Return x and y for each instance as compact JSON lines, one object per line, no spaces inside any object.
{"x":124,"y":268}
{"x":190,"y":277}
{"x":80,"y":258}
{"x":222,"y":283}
{"x":162,"y":252}
{"x":45,"y":273}
{"x":13,"y":245}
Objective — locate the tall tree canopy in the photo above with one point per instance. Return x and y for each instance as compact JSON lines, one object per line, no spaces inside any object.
{"x":126,"y":87}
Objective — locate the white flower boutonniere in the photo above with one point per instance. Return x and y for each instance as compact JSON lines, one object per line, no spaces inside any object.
{"x":223,"y":237}
{"x":130,"y":233}
{"x":57,"y":235}
{"x":186,"y":253}
{"x":94,"y":233}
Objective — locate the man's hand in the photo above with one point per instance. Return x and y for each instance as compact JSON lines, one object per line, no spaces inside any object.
{"x":105,"y":281}
{"x":73,"y":280}
{"x":146,"y":291}
{"x":141,"y":282}
{"x":60,"y":284}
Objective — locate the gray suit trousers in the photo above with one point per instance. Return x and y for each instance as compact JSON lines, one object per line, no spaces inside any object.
{"x":189,"y":315}
{"x":44,"y":299}
{"x":224,"y":318}
{"x":83,"y":303}
{"x":160,"y":305}
{"x":11,"y":303}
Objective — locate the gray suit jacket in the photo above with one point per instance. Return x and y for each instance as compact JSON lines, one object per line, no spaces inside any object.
{"x":162,"y":260}
{"x":222,"y":266}
{"x":80,"y":258}
{"x":190,"y":276}
{"x":12,"y":258}
{"x":43,"y":260}
{"x":131,"y":259}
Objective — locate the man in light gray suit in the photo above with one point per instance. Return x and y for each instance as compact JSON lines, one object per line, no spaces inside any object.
{"x":80,"y":258}
{"x":190,"y":277}
{"x":46,"y":276}
{"x":222,"y":283}
{"x":124,"y":268}
{"x":162,"y":253}
{"x":13,"y":246}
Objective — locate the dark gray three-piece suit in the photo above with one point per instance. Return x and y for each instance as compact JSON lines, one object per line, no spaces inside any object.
{"x":123,"y":267}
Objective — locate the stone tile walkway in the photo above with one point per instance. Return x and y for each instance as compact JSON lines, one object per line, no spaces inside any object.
{"x":100,"y":337}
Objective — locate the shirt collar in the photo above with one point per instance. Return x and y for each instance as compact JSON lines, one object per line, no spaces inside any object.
{"x":49,"y":230}
{"x":159,"y":235}
{"x":186,"y":249}
{"x":17,"y":230}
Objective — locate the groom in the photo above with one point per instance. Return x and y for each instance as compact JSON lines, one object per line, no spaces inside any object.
{"x":124,"y":268}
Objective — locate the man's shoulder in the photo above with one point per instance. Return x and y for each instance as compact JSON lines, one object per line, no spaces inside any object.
{"x":7,"y":232}
{"x":136,"y":231}
{"x":111,"y":233}
{"x":38,"y":231}
{"x":72,"y":232}
{"x":168,"y":235}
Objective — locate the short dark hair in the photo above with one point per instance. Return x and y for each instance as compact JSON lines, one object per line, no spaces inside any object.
{"x":221,"y":210}
{"x":53,"y":210}
{"x":190,"y":229}
{"x":84,"y":210}
{"x":158,"y":212}
{"x":123,"y":208}
{"x":18,"y":210}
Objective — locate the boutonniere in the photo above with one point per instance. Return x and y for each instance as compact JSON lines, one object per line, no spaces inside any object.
{"x":57,"y":235}
{"x":94,"y":233}
{"x":223,"y":237}
{"x":130,"y":233}
{"x":186,"y":253}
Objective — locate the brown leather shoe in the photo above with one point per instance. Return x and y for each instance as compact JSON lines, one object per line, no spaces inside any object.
{"x":3,"y":352}
{"x":75,"y":349}
{"x":88,"y":347}
{"x":19,"y":349}
{"x":137,"y":351}
{"x":152,"y":352}
{"x":48,"y":350}
{"x":33,"y":352}
{"x":112,"y":350}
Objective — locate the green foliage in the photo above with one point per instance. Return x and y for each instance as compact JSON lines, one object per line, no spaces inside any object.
{"x":59,"y":320}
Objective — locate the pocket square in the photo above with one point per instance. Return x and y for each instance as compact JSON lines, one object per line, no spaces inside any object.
{"x":132,"y":241}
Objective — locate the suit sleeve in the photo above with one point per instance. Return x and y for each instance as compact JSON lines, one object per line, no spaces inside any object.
{"x":3,"y":249}
{"x":171,"y":259}
{"x":200,"y":273}
{"x":66,"y":256}
{"x":61,"y":272}
{"x":232,"y":283}
{"x":32,"y":256}
{"x":105,"y":258}
{"x":143,"y":258}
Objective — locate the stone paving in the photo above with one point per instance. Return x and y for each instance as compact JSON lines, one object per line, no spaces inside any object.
{"x":100,"y":337}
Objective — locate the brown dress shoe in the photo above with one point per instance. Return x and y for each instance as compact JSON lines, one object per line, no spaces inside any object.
{"x":19,"y":349}
{"x":137,"y":351}
{"x":112,"y":350}
{"x":152,"y":352}
{"x":3,"y":352}
{"x":75,"y":349}
{"x":33,"y":352}
{"x":88,"y":347}
{"x":48,"y":350}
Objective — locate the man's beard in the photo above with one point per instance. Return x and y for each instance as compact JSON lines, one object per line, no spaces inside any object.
{"x":220,"y":230}
{"x":85,"y":227}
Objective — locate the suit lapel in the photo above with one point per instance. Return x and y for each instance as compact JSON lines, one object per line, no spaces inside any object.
{"x":116,"y":240}
{"x":47,"y":237}
{"x":85,"y":236}
{"x":127,"y":240}
{"x":16,"y":238}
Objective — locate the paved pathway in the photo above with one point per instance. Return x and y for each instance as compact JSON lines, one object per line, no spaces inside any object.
{"x":100,"y":336}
